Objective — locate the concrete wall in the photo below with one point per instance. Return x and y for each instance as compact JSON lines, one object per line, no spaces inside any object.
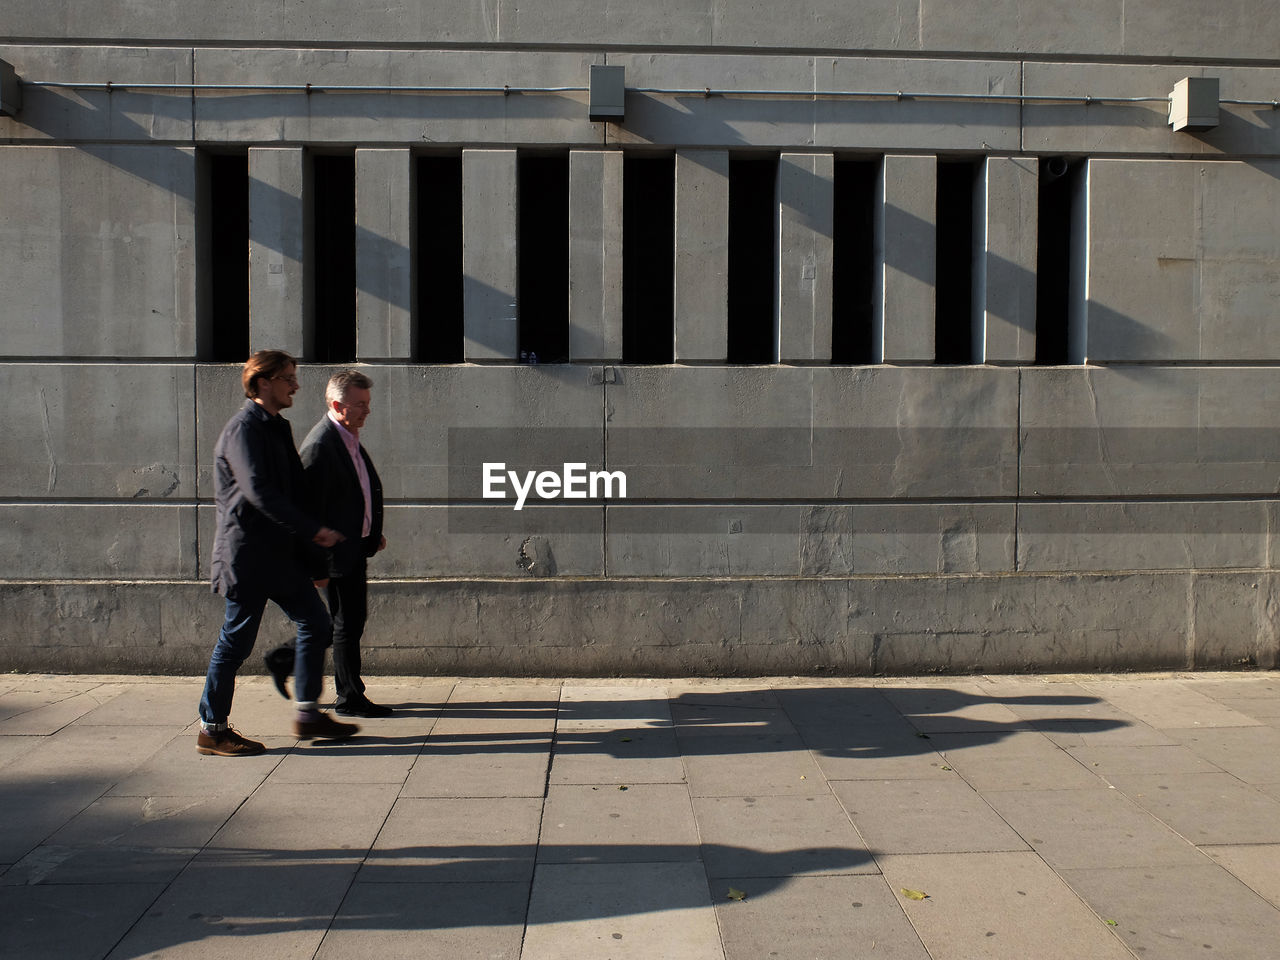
{"x":792,"y":516}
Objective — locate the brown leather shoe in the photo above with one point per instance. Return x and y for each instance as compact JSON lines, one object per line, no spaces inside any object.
{"x":227,"y":743}
{"x":321,"y":726}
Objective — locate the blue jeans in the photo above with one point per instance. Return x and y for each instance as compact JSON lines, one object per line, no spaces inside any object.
{"x":240,"y":630}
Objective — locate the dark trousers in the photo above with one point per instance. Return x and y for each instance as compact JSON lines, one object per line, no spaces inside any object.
{"x":348,"y":608}
{"x":240,"y":630}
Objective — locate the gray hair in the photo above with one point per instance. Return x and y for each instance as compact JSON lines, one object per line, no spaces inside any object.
{"x":344,"y":380}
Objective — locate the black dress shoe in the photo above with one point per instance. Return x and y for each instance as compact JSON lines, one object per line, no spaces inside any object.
{"x":363,"y":708}
{"x":280,"y":664}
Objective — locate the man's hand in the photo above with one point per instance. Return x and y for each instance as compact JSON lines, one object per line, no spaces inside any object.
{"x":382,"y":544}
{"x":327,"y":538}
{"x":321,"y":584}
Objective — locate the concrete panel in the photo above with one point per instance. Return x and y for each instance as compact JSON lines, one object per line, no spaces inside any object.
{"x":279,"y":248}
{"x":373,"y":118}
{"x":1149,"y":431}
{"x":385,"y":277}
{"x":874,"y":25}
{"x":1008,"y":25}
{"x":779,"y":434}
{"x":1229,"y":29}
{"x":489,"y":262}
{"x":542,"y":416}
{"x":906,"y":245}
{"x":1143,"y":127}
{"x":889,"y":124}
{"x":58,"y":541}
{"x":97,"y":251}
{"x":1007,"y":271}
{"x":99,"y":430}
{"x":692,"y":119}
{"x":801,"y":540}
{"x":660,"y":22}
{"x":587,"y":626}
{"x":595,"y":255}
{"x":55,"y":113}
{"x":1141,"y":536}
{"x":806,"y":195}
{"x":702,"y":255}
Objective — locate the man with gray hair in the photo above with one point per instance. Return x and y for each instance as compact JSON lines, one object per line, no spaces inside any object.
{"x":347,"y":496}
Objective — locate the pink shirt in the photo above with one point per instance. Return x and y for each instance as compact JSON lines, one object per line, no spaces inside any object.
{"x":352,"y":443}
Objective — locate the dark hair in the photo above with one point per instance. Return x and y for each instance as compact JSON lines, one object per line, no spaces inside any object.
{"x":264,"y":365}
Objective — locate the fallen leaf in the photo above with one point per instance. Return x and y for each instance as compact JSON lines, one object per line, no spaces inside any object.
{"x":803,"y":777}
{"x":1111,"y":923}
{"x":946,"y":768}
{"x":923,"y":736}
{"x":914,"y":894}
{"x":623,"y":787}
{"x":626,"y":739}
{"x":736,"y":894}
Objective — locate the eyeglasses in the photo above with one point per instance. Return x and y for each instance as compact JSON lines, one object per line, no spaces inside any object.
{"x":291,"y":381}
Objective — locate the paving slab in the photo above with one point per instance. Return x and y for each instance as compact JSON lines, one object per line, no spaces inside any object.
{"x":411,"y":921}
{"x":260,"y":906}
{"x":646,"y":823}
{"x":623,"y":911}
{"x":1250,"y":753}
{"x":701,"y":719}
{"x":893,"y":751}
{"x":336,"y":822}
{"x":1176,"y":913}
{"x":148,"y":704}
{"x":594,"y":754}
{"x":1106,"y":761}
{"x":918,"y":816}
{"x":11,"y":748}
{"x":365,"y":759}
{"x":751,"y":766}
{"x":1224,"y":688}
{"x":60,"y":921}
{"x":481,"y":768}
{"x":818,"y":918}
{"x":779,"y":837}
{"x":997,"y":905}
{"x":34,"y":809}
{"x":1257,"y":865}
{"x":126,"y":840}
{"x":1206,"y":807}
{"x":176,"y":770}
{"x":1169,"y":704}
{"x":613,"y":707}
{"x":837,"y":705}
{"x":50,"y":717}
{"x":1060,"y":771}
{"x":1082,"y":828}
{"x":1264,"y":709}
{"x":433,"y":840}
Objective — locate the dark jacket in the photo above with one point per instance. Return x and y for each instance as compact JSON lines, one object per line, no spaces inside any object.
{"x":264,"y":526}
{"x":339,"y":502}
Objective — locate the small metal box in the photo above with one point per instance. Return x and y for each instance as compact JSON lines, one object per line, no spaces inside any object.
{"x":1193,"y":105}
{"x":10,"y":90}
{"x":608,"y":96}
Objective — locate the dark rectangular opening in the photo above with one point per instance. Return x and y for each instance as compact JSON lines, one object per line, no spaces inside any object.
{"x":854,"y":262}
{"x":334,"y":258}
{"x":543,"y":259}
{"x":223,"y":330}
{"x":1057,"y":249}
{"x":953,"y":290}
{"x":648,"y":259}
{"x":753,"y":240}
{"x":438,"y":312}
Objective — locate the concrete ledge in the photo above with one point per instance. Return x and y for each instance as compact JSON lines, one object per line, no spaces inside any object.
{"x":597,"y":627}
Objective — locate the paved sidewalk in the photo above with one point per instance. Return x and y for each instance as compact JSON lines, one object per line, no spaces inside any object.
{"x":1042,"y":817}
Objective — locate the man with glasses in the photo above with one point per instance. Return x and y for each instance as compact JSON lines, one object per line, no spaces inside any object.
{"x":264,"y":549}
{"x":347,"y":496}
